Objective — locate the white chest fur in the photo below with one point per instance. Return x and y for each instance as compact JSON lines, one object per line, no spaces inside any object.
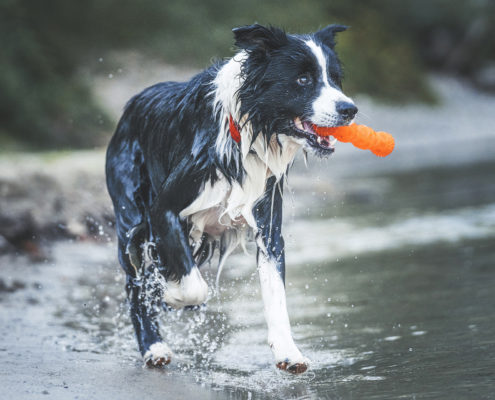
{"x":221,"y":205}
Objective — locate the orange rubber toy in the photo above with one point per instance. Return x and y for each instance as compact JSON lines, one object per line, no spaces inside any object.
{"x":361,"y":136}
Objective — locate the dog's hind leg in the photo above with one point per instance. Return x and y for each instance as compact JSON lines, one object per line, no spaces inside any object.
{"x":271,"y":268}
{"x":143,"y":307}
{"x":130,"y":189}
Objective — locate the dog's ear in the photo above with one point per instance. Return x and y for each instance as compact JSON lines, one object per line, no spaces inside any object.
{"x":256,"y":36}
{"x":327,"y":35}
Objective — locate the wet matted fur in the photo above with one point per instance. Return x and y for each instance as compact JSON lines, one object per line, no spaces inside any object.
{"x":200,"y":165}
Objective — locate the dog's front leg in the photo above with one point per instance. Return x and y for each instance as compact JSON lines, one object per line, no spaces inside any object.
{"x":271,"y":267}
{"x":184,"y":284}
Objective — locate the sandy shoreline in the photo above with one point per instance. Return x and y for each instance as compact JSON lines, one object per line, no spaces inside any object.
{"x":36,"y":362}
{"x":64,"y":195}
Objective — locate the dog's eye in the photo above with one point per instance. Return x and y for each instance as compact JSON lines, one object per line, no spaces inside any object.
{"x":304,"y":80}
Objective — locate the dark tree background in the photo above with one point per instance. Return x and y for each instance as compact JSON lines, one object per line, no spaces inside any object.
{"x":46,"y":102}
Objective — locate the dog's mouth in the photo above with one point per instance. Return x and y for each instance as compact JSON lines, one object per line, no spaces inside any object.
{"x":304,"y":129}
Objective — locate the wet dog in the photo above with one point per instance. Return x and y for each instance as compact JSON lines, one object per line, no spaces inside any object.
{"x":200,"y":165}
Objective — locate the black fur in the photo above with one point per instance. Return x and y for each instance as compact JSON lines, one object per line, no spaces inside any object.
{"x":163,"y":154}
{"x":275,"y":61}
{"x":268,"y":215}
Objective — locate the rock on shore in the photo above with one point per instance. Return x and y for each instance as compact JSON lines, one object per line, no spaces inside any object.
{"x":44,"y":196}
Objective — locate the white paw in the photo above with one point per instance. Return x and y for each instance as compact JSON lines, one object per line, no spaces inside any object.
{"x":159,"y":354}
{"x":191,"y":290}
{"x":294,"y":367}
{"x":287,"y":356}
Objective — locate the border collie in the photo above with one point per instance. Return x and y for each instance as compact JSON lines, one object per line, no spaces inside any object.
{"x":197,"y":165}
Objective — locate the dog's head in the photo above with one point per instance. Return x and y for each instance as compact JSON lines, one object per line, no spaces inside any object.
{"x":291,"y":82}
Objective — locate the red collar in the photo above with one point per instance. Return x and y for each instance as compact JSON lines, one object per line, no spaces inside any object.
{"x":234,"y":130}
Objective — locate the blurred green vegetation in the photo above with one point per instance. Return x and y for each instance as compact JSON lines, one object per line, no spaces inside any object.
{"x":45,"y":102}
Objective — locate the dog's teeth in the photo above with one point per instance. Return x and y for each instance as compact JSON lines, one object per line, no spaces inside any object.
{"x":320,"y":140}
{"x":333,"y":141}
{"x":298,"y":124}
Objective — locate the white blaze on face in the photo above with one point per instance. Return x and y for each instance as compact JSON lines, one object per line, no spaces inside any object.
{"x":324,"y":107}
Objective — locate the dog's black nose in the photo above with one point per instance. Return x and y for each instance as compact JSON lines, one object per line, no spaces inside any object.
{"x":346,"y":110}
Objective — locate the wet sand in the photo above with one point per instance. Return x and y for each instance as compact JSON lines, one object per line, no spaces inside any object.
{"x":35,"y":365}
{"x":389,"y":279}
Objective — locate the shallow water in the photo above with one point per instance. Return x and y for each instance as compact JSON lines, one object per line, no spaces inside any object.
{"x":390,"y":283}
